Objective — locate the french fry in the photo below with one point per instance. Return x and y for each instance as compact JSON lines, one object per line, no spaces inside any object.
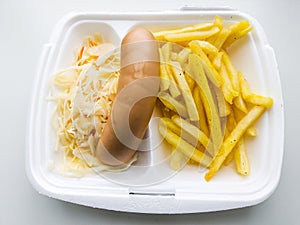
{"x":239,"y":26}
{"x":233,"y":139}
{"x":229,"y":159}
{"x":239,"y":153}
{"x":245,"y":89}
{"x":230,"y":125}
{"x":217,"y":60}
{"x":223,"y":106}
{"x":165,"y":80}
{"x":238,"y":114}
{"x":201,"y":26}
{"x":235,"y":29}
{"x":166,"y":51}
{"x":165,"y":56}
{"x":221,"y":38}
{"x":202,"y":116}
{"x":194,"y":131}
{"x":188,"y":36}
{"x":240,"y":104}
{"x":187,"y":149}
{"x":251,"y":97}
{"x":232,"y":73}
{"x":183,"y":55}
{"x":207,"y":47}
{"x":210,"y":71}
{"x":176,"y":159}
{"x":227,"y":89}
{"x":241,"y":159}
{"x":173,"y":87}
{"x":259,"y":100}
{"x":218,"y":22}
{"x":172,"y":104}
{"x":180,"y":132}
{"x":171,"y":125}
{"x":190,"y":81}
{"x":186,"y":92}
{"x":174,"y":90}
{"x":235,"y":36}
{"x":195,"y":69}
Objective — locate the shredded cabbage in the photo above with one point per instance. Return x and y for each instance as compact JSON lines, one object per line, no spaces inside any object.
{"x":84,"y":94}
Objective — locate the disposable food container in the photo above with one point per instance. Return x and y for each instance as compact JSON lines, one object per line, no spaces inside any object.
{"x":150,"y":186}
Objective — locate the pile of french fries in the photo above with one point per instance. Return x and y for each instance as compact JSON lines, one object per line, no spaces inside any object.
{"x":207,"y":106}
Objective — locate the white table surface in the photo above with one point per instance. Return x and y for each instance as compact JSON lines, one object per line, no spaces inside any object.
{"x":26,"y":25}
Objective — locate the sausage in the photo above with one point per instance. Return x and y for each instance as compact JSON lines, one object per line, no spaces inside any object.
{"x":136,"y":95}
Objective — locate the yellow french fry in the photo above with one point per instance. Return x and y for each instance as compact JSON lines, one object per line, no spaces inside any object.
{"x":218,"y":22}
{"x":236,"y":28}
{"x":186,"y":92}
{"x":229,"y":159}
{"x":174,"y":89}
{"x":210,"y":71}
{"x":223,"y":106}
{"x":251,"y":97}
{"x":235,"y":36}
{"x":233,"y":139}
{"x":166,"y":51}
{"x":195,"y":69}
{"x":202,"y":116}
{"x":165,"y":80}
{"x":187,"y":149}
{"x":183,"y":55}
{"x":238,"y":114}
{"x":241,"y":159}
{"x":259,"y":100}
{"x":245,"y":89}
{"x":217,"y":60}
{"x":166,"y":73}
{"x":194,"y":35}
{"x":201,"y":26}
{"x":172,"y":104}
{"x":239,"y":153}
{"x":221,"y":38}
{"x":239,"y":26}
{"x":230,"y":125}
{"x":240,"y":104}
{"x":176,"y":159}
{"x":207,"y":47}
{"x":227,"y":89}
{"x":232,"y":73}
{"x":194,"y":131}
{"x":172,"y":126}
{"x":190,"y":81}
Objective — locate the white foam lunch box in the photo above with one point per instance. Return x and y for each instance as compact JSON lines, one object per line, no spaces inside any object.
{"x":150,"y":186}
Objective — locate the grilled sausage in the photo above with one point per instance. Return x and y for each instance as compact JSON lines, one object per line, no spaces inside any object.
{"x":136,"y":95}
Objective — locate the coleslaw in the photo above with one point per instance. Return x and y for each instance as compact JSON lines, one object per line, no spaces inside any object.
{"x":84,"y":94}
